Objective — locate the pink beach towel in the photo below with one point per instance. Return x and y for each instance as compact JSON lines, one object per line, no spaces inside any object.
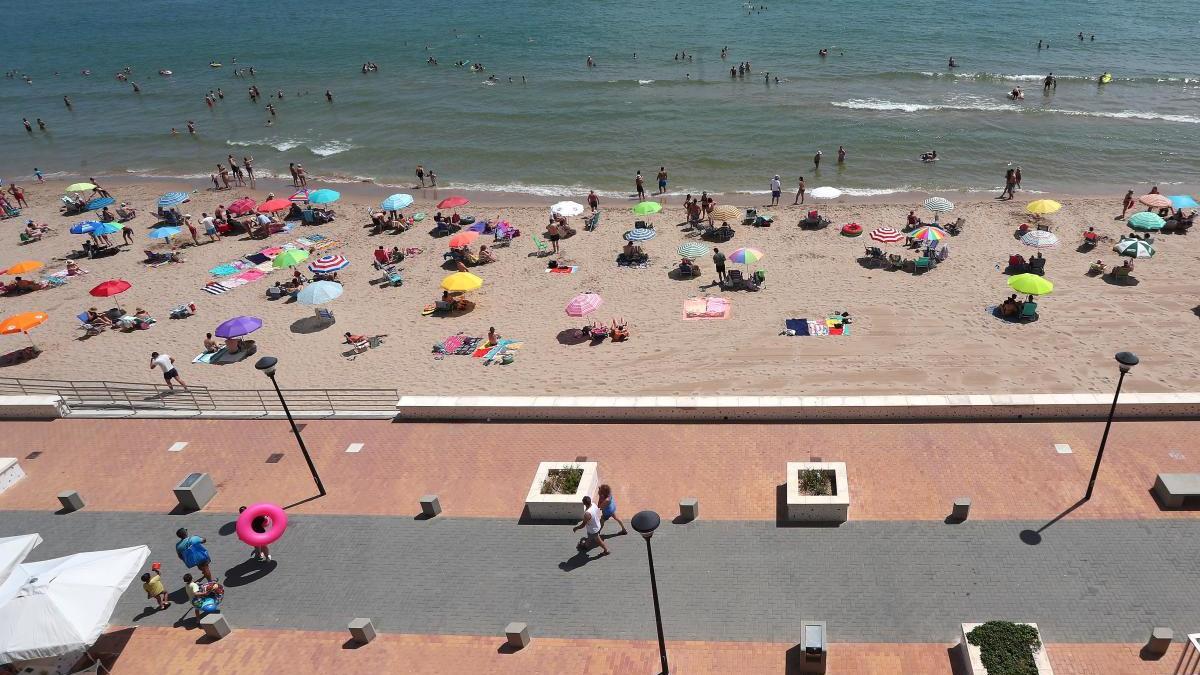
{"x":251,"y":275}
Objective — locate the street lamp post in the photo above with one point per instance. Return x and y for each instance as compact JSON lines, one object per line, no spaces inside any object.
{"x":267,"y":365}
{"x":1126,"y":361}
{"x":646,"y":522}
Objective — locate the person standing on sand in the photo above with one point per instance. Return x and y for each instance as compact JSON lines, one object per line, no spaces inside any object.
{"x":662,"y":180}
{"x":776,"y":189}
{"x":247,"y":163}
{"x":1017,"y":177}
{"x":1010,"y":182}
{"x":432,"y":178}
{"x":1126,"y":204}
{"x":817,"y":161}
{"x":421,"y":174}
{"x":640,"y":186}
{"x":799,"y":192}
{"x":187,"y":220}
{"x":593,"y":201}
{"x":295,"y":178}
{"x":719,"y":263}
{"x":302,"y":175}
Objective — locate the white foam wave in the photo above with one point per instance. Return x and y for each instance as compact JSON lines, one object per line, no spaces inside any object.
{"x":330,"y":148}
{"x":280,"y":145}
{"x":538,"y":190}
{"x":968,"y":105}
{"x":848,"y":191}
{"x":645,"y":81}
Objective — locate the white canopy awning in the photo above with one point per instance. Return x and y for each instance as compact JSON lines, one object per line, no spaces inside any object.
{"x":13,"y":551}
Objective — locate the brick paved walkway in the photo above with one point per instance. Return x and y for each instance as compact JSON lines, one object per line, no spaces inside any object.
{"x":166,"y":651}
{"x":898,"y":581}
{"x":896,"y":471}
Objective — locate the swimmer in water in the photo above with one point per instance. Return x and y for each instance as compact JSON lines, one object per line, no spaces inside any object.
{"x":1016,"y":94}
{"x":823,"y":53}
{"x":329,"y":96}
{"x":930,"y":156}
{"x":953,"y":63}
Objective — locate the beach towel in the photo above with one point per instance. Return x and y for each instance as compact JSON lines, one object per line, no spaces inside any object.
{"x":413,"y":250}
{"x":214,"y":288}
{"x":257,"y":258}
{"x":798,"y":326}
{"x":251,"y":275}
{"x":468,"y":346}
{"x":271,"y":252}
{"x":265,"y":268}
{"x":497,"y":350}
{"x":450,"y":345}
{"x":695,"y":309}
{"x":208,"y":357}
{"x":223,"y":270}
{"x":563,"y":269}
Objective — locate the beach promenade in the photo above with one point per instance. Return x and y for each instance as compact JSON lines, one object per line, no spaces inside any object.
{"x":893,"y":582}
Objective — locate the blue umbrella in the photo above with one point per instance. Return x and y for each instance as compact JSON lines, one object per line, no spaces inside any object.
{"x":164,"y":232}
{"x":396,"y":202}
{"x":640,"y":234}
{"x":1184,"y":202}
{"x":238,"y":326}
{"x":172,"y":199}
{"x":324,"y":196}
{"x":86,"y":227}
{"x":100,"y":203}
{"x":105,"y":228}
{"x":319,"y":293}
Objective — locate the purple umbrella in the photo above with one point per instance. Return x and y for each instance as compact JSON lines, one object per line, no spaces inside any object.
{"x":239,"y":326}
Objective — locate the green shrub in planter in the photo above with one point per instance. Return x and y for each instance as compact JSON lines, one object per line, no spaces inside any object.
{"x":1006,"y":648}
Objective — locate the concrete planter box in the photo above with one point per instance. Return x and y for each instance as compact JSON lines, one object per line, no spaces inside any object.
{"x":974,"y":664}
{"x":560,"y":507}
{"x":834,"y":508}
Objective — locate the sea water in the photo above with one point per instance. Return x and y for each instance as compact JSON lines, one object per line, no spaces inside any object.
{"x":884,"y":92}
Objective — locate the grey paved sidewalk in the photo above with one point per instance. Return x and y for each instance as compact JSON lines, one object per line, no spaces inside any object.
{"x":1088,"y":581}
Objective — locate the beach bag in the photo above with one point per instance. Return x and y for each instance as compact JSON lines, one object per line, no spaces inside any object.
{"x":195,"y":554}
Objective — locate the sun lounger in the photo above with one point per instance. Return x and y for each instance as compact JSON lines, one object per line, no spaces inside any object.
{"x":89,"y":328}
{"x":542,"y":247}
{"x":592,"y":222}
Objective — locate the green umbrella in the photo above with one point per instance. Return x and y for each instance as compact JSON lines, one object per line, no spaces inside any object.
{"x":646,"y":208}
{"x":691,"y":250}
{"x":1146,"y":220}
{"x":1030,"y":284}
{"x":289,"y":258}
{"x":1135,"y":248}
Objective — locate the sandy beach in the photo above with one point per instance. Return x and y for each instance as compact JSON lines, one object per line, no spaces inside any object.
{"x":912,"y":333}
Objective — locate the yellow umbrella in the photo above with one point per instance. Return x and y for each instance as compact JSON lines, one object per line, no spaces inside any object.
{"x":22,"y":323}
{"x":80,"y":187}
{"x":1042,"y":207}
{"x":1030,"y":284}
{"x":24,"y":267}
{"x":460,"y":282}
{"x":726,"y":213}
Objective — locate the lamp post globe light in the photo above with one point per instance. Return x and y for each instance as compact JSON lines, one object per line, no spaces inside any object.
{"x":268,"y":365}
{"x":1125,"y":362}
{"x":646,"y":522}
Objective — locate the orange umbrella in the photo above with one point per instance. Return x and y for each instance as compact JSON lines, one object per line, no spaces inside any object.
{"x":463,"y":238}
{"x":22,"y":323}
{"x":274,"y":205}
{"x":23,"y":267}
{"x":451,"y":202}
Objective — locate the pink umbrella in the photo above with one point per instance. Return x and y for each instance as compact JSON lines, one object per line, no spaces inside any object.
{"x":886,"y":235}
{"x":584,"y":304}
{"x":241,"y":206}
{"x":1155,"y":200}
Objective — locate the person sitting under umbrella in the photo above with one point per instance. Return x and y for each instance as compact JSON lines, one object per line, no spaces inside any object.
{"x":95,"y":318}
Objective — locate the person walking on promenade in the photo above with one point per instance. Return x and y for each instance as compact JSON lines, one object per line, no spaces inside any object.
{"x":799,"y":192}
{"x":591,"y":528}
{"x":260,"y":525}
{"x":167,"y":364}
{"x":153,"y":585}
{"x":192,"y":552}
{"x":608,"y":507}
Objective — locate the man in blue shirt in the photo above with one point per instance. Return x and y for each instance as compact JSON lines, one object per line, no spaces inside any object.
{"x":193,"y":547}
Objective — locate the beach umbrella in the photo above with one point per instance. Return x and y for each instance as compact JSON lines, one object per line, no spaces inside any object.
{"x":172,"y":199}
{"x":1183,"y":202}
{"x":1042,"y":207}
{"x":23,"y":267}
{"x":1040,"y":239}
{"x":274,"y":205}
{"x":567,"y":209}
{"x":640,"y":234}
{"x":1030,"y":284}
{"x":241,"y":206}
{"x":110,"y":288}
{"x":289,"y":258}
{"x":86,"y":227}
{"x":886,"y":235}
{"x":319,"y":293}
{"x":646,"y":208}
{"x":1156,"y":201}
{"x":1135,"y":248}
{"x":300,"y":196}
{"x":238,"y":326}
{"x":324,"y":196}
{"x":165,"y":232}
{"x":727,"y":212}
{"x":106,"y":228}
{"x":80,"y":187}
{"x":928,"y":233}
{"x":329,"y":263}
{"x":22,"y":323}
{"x":691,"y":250}
{"x":15,"y":549}
{"x":939,"y":205}
{"x":396,"y":202}
{"x":825,"y":192}
{"x":584,"y":304}
{"x":63,"y":605}
{"x":1146,"y":220}
{"x":461,"y":282}
{"x":746,"y":256}
{"x":452,"y":202}
{"x":100,"y":203}
{"x":463,"y":238}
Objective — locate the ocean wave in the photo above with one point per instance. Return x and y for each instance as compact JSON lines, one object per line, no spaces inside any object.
{"x":280,"y":145}
{"x":537,"y":190}
{"x":330,"y":148}
{"x":850,"y":191}
{"x":891,"y":106}
{"x":319,"y":148}
{"x":645,"y":81}
{"x":1005,"y":77}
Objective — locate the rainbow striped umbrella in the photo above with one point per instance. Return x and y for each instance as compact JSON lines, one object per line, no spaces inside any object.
{"x":887,"y":235}
{"x":928,"y":233}
{"x":328,"y":263}
{"x":584,"y":304}
{"x":746,"y":256}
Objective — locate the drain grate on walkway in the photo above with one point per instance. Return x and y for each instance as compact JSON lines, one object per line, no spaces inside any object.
{"x":34,"y":455}
{"x":274,"y":458}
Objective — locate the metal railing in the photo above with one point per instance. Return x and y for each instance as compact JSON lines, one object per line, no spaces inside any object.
{"x":135,"y":397}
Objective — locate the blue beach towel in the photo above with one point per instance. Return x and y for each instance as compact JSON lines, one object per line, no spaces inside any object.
{"x":800,"y":326}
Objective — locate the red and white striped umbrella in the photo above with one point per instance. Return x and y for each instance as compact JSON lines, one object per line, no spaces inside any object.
{"x":328,"y":263}
{"x":584,"y":304}
{"x":887,"y":235}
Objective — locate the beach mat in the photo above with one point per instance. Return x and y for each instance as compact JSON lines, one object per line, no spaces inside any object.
{"x":699,"y":309}
{"x":798,"y":326}
{"x":563,"y":269}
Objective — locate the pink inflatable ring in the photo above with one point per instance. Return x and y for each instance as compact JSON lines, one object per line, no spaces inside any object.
{"x":278,"y":523}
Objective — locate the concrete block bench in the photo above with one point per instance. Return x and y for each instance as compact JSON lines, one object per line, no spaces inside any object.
{"x":1172,"y":489}
{"x":33,"y":407}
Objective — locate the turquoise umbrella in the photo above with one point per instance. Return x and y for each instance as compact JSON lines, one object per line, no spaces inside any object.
{"x":396,"y":202}
{"x":324,"y":196}
{"x":1146,"y":220}
{"x":105,"y":228}
{"x":1184,"y":202}
{"x":164,"y":232}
